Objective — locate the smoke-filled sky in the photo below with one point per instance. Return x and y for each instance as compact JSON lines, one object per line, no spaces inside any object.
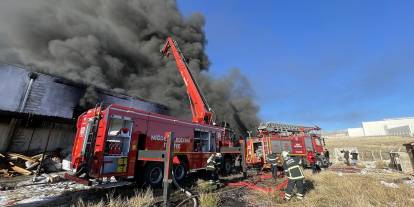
{"x":115,"y":45}
{"x":331,"y":63}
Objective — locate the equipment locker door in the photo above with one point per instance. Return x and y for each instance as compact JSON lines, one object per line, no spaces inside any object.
{"x":308,"y":144}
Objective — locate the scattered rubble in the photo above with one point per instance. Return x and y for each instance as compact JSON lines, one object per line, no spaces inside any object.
{"x":409,"y":182}
{"x":12,"y":164}
{"x":390,"y":185}
{"x":42,"y":191}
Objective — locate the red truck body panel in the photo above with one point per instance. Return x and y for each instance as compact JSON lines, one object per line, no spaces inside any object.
{"x":148,"y":128}
{"x":296,"y":145}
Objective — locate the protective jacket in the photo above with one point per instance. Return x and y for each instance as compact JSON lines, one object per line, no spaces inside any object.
{"x":272,"y":159}
{"x":213,"y":162}
{"x":293,"y":169}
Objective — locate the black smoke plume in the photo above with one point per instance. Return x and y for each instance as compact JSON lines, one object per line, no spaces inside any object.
{"x":115,"y":45}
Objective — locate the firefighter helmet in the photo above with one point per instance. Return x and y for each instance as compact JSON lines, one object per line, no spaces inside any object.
{"x":285,"y":154}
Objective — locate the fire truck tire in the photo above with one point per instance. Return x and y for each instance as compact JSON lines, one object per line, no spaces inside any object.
{"x":154,"y":174}
{"x":180,"y":171}
{"x":227,"y":166}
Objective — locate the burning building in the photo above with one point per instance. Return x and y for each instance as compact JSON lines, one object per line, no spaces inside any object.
{"x":32,"y":105}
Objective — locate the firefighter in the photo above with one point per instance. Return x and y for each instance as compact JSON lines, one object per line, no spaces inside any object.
{"x":326,"y":154}
{"x":312,"y":161}
{"x":294,"y":174}
{"x":213,"y":166}
{"x":346,"y":156}
{"x":354,"y":157}
{"x":272,"y":159}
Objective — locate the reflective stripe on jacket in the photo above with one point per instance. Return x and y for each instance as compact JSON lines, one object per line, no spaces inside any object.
{"x":295,"y":173}
{"x":293,"y":169}
{"x":213,"y":162}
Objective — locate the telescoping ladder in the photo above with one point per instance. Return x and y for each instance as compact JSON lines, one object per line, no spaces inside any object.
{"x":281,"y":127}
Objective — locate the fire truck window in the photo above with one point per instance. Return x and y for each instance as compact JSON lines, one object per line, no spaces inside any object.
{"x":276,"y":146}
{"x":213,"y":142}
{"x":86,"y":136}
{"x":119,"y":127}
{"x":257,"y":149}
{"x":308,"y":144}
{"x":201,"y":141}
{"x":286,"y":146}
{"x":318,"y":142}
{"x":256,"y":146}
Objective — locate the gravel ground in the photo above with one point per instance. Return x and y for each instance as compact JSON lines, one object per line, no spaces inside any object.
{"x":65,"y":193}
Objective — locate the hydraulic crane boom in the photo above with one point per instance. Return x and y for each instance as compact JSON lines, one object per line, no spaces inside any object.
{"x":199,"y":108}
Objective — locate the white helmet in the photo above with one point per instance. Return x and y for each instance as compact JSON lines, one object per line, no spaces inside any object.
{"x":285,"y":154}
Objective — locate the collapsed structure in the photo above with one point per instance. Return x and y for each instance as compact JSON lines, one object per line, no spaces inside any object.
{"x":32,"y":103}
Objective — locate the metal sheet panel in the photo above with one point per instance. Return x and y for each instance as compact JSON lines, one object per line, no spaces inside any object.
{"x":55,"y":97}
{"x":107,"y":98}
{"x":52,"y":99}
{"x":13,"y":83}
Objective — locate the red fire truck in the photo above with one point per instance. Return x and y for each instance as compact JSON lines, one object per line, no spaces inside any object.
{"x":277,"y":137}
{"x":129,"y":143}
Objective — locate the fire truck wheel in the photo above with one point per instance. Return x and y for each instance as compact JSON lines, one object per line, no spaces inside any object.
{"x":154,"y":174}
{"x":180,"y":171}
{"x":228,"y":166}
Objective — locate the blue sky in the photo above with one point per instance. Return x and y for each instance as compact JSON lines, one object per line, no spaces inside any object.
{"x":330,"y":63}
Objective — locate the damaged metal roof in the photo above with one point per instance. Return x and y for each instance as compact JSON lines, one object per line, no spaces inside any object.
{"x":56,"y":97}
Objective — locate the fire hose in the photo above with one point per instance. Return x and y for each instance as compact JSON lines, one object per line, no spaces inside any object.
{"x":185,"y":191}
{"x":189,"y":195}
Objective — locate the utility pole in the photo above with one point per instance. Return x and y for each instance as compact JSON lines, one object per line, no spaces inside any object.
{"x":243,"y":154}
{"x":168,"y":164}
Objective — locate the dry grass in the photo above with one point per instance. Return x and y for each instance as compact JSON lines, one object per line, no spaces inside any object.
{"x":141,"y":199}
{"x":209,"y":199}
{"x":380,"y":164}
{"x":207,"y":196}
{"x":256,"y":198}
{"x":204,"y":186}
{"x":385,"y":143}
{"x":358,"y":190}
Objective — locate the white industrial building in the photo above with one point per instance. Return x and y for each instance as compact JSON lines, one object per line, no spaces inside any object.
{"x":397,"y":127}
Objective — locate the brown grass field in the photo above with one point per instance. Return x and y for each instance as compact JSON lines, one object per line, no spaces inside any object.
{"x":333,"y":190}
{"x":327,"y":188}
{"x":385,"y":143}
